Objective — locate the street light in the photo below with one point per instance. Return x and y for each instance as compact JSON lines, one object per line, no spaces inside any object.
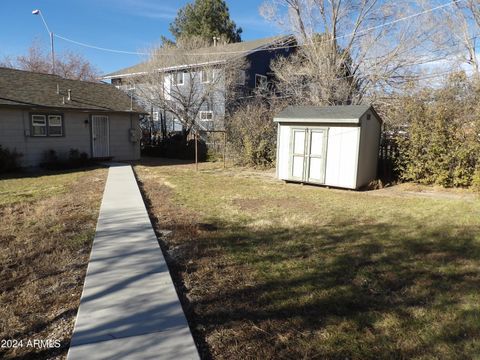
{"x":38,"y":12}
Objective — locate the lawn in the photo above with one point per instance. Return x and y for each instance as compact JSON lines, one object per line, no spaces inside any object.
{"x":46,"y":231}
{"x":270,"y":270}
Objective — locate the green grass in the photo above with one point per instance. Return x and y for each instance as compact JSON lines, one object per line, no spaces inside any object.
{"x":285,"y":271}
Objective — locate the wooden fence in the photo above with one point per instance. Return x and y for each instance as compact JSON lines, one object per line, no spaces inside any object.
{"x":387,"y":157}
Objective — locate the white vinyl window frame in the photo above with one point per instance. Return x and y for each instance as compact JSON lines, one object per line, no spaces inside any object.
{"x":177,"y":125}
{"x":155,"y":116}
{"x":206,"y":115}
{"x":176,"y":76}
{"x":39,"y":125}
{"x":206,"y":76}
{"x":55,"y":124}
{"x":261,"y":81}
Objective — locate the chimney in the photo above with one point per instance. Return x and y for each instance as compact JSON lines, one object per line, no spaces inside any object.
{"x":69,"y":95}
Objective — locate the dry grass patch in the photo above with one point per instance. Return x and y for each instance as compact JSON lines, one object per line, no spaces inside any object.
{"x":48,"y":224}
{"x":279,"y":271}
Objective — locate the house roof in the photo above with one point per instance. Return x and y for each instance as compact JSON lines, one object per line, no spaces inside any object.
{"x":28,"y":89}
{"x":325,"y":114}
{"x":211,"y":54}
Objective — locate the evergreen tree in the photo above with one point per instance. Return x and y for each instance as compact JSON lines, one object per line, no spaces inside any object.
{"x":206,"y":19}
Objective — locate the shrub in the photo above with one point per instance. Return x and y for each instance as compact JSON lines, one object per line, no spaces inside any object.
{"x":441,"y":144}
{"x":253,"y":135}
{"x":476,"y":180}
{"x":74,"y":159}
{"x":8,"y":160}
{"x":176,"y":147}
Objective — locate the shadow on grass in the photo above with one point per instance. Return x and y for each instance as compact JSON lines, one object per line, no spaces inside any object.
{"x":153,"y":161}
{"x":336,"y":292}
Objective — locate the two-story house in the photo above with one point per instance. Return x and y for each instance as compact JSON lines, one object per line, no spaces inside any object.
{"x":193,"y":84}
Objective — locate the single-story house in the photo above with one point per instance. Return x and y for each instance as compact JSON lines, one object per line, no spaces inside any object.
{"x":43,"y":112}
{"x":334,"y":145}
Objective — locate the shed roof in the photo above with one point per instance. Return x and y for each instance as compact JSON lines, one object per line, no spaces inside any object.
{"x":211,"y":54}
{"x":28,"y":89}
{"x":324,"y":114}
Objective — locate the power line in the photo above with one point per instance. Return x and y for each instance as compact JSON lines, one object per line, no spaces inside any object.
{"x":269,"y":48}
{"x":98,"y":47}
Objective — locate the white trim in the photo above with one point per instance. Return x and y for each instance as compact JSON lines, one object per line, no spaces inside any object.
{"x":94,"y":117}
{"x":263,"y":77}
{"x":174,"y":78}
{"x":45,"y":125}
{"x":166,"y":69}
{"x":317,"y":120}
{"x":203,"y":112}
{"x":209,"y":75}
{"x":60,"y":126}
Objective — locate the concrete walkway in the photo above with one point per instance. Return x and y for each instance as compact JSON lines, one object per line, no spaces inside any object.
{"x":129,"y":308}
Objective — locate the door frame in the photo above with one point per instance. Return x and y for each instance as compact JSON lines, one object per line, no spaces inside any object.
{"x":307,"y":154}
{"x":92,"y":116}
{"x":323,"y":157}
{"x":291,"y":152}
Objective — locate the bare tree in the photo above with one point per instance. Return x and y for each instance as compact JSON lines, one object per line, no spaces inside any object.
{"x":68,"y":65}
{"x":188,"y":77}
{"x":459,"y":29}
{"x":348,"y":49}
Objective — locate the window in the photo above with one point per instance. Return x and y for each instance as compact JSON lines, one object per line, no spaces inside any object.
{"x":241,"y":77}
{"x":260,"y":81}
{"x":39,"y":125}
{"x":178,"y":78}
{"x":47,"y":125}
{"x":177,"y":125}
{"x":155,"y":116}
{"x":206,"y":76}
{"x":206,"y":115}
{"x":55,"y":127}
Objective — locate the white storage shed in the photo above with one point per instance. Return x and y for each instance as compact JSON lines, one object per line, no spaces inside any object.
{"x":334,"y":145}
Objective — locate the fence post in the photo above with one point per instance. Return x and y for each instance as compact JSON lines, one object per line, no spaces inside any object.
{"x":196,"y":151}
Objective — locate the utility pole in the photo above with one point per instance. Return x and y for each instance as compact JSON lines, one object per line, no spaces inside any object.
{"x":53,"y":52}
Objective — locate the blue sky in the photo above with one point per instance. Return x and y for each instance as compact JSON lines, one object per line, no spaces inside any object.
{"x":131,"y":25}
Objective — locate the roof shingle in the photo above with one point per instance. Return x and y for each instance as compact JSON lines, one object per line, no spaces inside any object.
{"x":29,"y":89}
{"x":210,"y":54}
{"x":340,"y":113}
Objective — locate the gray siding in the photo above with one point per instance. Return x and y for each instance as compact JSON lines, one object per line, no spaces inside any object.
{"x":120,"y":146}
{"x":15,"y":123}
{"x":368,"y":150}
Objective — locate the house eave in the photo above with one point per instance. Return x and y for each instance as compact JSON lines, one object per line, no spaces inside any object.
{"x":37,"y":107}
{"x":166,"y":69}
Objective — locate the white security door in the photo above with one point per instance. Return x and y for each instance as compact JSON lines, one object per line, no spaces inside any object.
{"x":298,"y":154}
{"x":316,"y":157}
{"x":100,"y":136}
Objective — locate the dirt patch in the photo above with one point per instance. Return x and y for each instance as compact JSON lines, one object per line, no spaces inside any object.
{"x":432,"y":192}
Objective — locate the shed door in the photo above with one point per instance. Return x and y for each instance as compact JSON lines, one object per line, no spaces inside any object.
{"x":307,"y":156}
{"x":298,"y":154}
{"x":316,"y":157}
{"x":100,"y":136}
